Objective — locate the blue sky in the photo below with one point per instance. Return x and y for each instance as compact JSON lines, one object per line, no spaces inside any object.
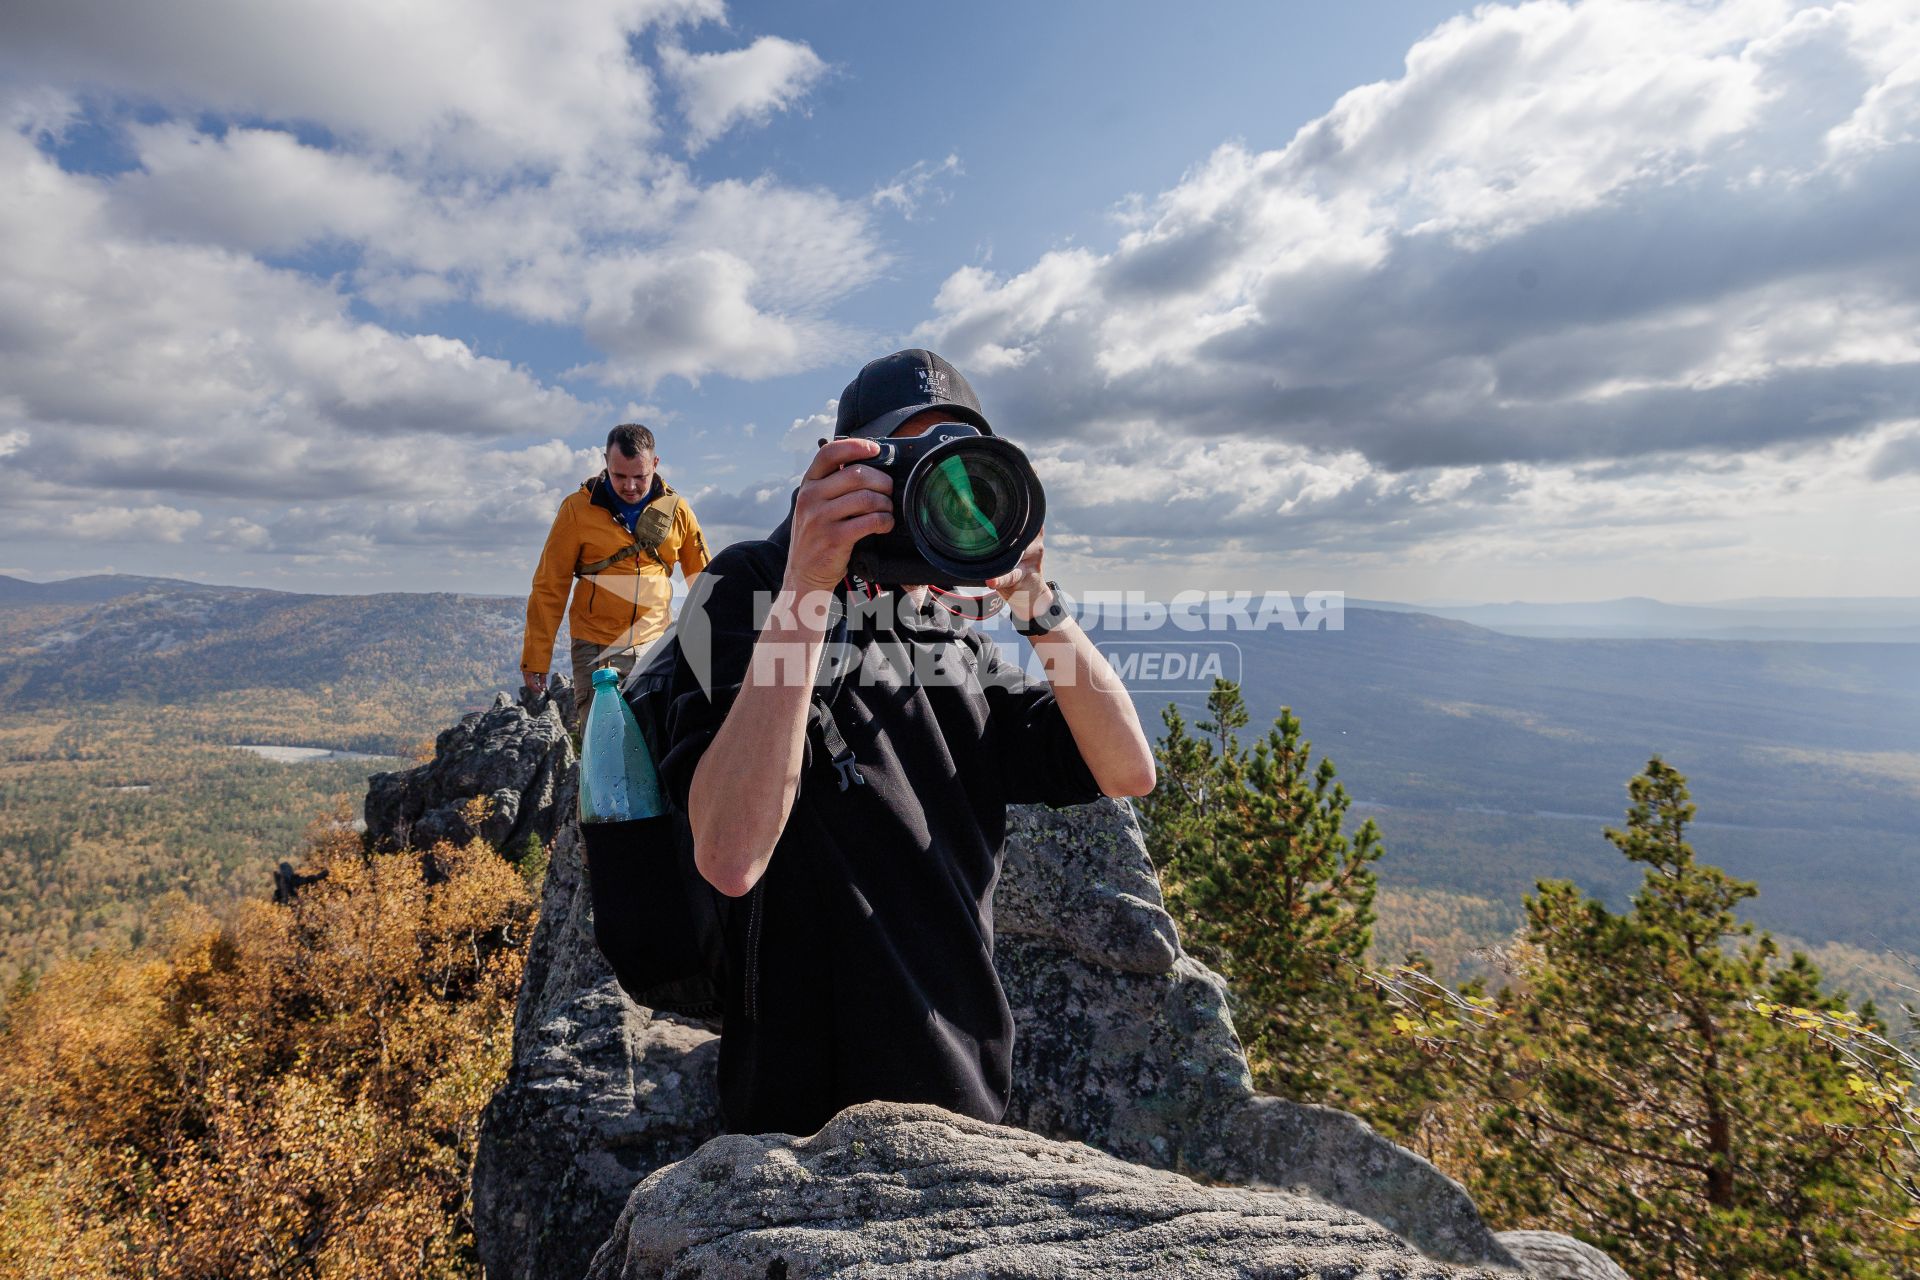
{"x":1417,"y":301}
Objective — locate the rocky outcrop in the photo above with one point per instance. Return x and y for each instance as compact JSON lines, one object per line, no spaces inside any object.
{"x":600,"y":1094}
{"x":1125,"y":1043}
{"x":515,"y":755}
{"x":913,"y":1191}
{"x":605,"y":1096}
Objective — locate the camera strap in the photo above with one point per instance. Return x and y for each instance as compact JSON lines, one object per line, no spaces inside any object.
{"x":820,"y":710}
{"x":974,"y":608}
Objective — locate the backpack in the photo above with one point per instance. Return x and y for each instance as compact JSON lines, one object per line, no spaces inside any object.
{"x":650,"y":529}
{"x":660,"y":925}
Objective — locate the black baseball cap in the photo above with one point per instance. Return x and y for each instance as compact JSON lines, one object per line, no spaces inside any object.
{"x":894,"y":388}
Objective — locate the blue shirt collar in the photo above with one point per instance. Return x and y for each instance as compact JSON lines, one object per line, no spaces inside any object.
{"x":628,"y":512}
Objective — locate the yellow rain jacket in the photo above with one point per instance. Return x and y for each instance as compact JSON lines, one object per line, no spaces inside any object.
{"x":621,"y":592}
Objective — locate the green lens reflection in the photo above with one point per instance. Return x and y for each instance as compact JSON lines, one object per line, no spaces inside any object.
{"x":954,"y":510}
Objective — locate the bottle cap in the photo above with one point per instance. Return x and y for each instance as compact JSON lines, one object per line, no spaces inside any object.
{"x":606,"y":678}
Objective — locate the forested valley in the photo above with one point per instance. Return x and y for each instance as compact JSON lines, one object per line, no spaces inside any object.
{"x":197,"y":1081}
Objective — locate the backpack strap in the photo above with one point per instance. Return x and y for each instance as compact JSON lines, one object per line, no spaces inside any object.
{"x":588,"y":570}
{"x":820,"y":716}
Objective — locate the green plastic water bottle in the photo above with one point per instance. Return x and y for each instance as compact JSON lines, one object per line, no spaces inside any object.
{"x":618,"y":782}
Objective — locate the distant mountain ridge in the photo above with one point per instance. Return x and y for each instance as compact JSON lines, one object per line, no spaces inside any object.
{"x":118,"y":638}
{"x":1483,"y":748}
{"x":1870,"y":619}
{"x":91,"y":589}
{"x":94,"y":588}
{"x":1865,"y":619}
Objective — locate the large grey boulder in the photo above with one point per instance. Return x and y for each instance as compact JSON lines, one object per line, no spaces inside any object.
{"x":605,"y":1096}
{"x":904,"y":1191}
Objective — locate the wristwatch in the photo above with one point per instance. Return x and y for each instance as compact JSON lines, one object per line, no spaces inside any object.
{"x":1048,"y":618}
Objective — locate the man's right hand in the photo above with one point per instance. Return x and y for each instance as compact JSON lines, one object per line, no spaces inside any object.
{"x":840,"y":502}
{"x":536,"y":680}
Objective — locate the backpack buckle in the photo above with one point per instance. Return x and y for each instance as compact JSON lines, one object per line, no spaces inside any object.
{"x":848,"y":770}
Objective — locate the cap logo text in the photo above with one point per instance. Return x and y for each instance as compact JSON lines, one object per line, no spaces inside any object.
{"x":933,"y":384}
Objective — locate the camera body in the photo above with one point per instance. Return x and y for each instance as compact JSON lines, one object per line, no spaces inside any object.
{"x":966,"y":506}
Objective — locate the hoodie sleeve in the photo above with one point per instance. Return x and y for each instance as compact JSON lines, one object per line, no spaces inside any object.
{"x":552,"y":581}
{"x":693,"y":544}
{"x":1028,"y":734}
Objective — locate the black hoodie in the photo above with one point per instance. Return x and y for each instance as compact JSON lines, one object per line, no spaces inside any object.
{"x":861,"y":966}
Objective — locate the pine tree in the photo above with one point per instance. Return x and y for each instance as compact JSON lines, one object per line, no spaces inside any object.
{"x":1268,"y":889}
{"x":1199,"y":778}
{"x":1636,"y":1098}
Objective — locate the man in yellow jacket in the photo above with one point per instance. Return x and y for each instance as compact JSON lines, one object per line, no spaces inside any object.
{"x":613,"y":545}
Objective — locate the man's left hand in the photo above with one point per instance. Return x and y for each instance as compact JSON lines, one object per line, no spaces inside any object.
{"x":1024,"y":587}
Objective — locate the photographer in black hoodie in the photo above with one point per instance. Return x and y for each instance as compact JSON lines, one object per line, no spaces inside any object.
{"x":860,"y":944}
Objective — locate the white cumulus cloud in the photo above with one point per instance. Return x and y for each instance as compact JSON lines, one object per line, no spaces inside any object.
{"x":225,"y":319}
{"x":450,"y":153}
{"x":485,"y":83}
{"x":1571,"y":240}
{"x":157,"y":523}
{"x":720,"y":90}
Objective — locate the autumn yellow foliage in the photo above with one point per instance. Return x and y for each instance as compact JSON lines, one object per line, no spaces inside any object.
{"x":291,"y":1091}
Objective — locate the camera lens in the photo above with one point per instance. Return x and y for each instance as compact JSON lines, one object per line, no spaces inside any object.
{"x":966,"y":506}
{"x":969,"y":504}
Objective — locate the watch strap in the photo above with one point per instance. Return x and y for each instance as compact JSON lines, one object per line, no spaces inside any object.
{"x":1048,"y":618}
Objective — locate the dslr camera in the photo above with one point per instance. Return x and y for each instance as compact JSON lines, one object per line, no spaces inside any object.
{"x":966,"y":506}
